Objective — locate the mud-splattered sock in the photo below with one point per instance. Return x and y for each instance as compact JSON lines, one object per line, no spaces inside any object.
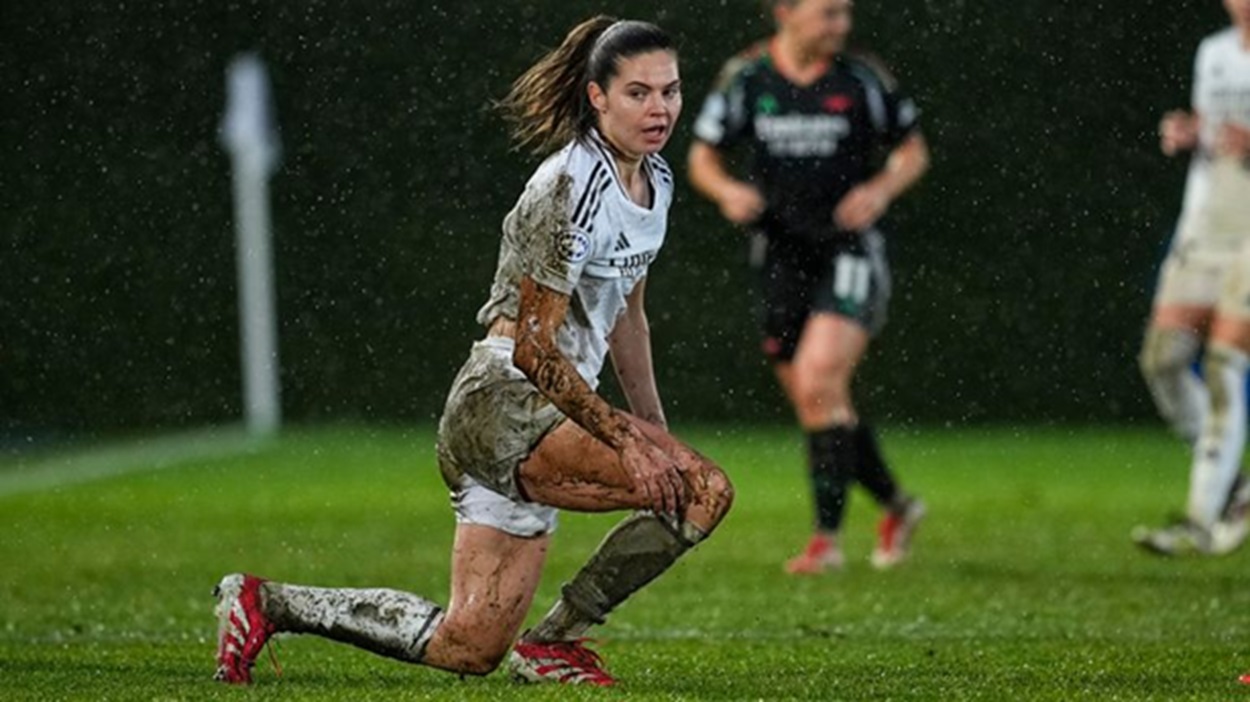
{"x":387,"y":622}
{"x":633,"y":554}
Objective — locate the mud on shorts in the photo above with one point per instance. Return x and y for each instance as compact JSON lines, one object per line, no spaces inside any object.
{"x":1219,"y":280}
{"x":849,"y":277}
{"x":493,"y":419}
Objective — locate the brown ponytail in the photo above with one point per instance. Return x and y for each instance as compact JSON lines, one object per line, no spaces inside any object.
{"x":548,"y":105}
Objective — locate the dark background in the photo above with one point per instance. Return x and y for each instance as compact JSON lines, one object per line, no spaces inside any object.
{"x":1023,"y":263}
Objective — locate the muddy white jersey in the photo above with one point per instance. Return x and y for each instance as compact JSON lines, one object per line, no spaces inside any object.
{"x":575,"y":230}
{"x":1215,"y":218}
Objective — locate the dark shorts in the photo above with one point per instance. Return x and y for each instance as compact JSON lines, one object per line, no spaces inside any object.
{"x":848,"y":277}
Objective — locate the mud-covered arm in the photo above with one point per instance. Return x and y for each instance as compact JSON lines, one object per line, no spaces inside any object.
{"x":537,"y":355}
{"x":540,"y":313}
{"x":630,"y":345}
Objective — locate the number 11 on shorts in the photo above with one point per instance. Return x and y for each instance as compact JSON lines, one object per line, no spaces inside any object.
{"x":851,"y":279}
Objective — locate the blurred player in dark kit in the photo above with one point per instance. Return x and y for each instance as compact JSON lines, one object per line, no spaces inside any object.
{"x":832,"y":142}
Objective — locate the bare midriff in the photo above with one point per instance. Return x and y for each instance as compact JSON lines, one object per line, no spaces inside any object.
{"x":502,"y":326}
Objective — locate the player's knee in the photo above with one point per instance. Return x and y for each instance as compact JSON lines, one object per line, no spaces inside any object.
{"x":1167,"y":351}
{"x":820,"y":396}
{"x":1152,"y":365}
{"x":470,"y":647}
{"x":721,"y":490}
{"x":483,"y":662}
{"x":713,"y":491}
{"x":829,"y":371}
{"x":474,"y":660}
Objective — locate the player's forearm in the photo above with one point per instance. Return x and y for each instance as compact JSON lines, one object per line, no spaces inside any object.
{"x":906,"y":165}
{"x":707,"y":171}
{"x":560,"y":382}
{"x":630,"y":344}
{"x":538,"y":356}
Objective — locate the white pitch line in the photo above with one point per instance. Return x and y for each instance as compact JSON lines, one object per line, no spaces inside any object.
{"x":139,"y":456}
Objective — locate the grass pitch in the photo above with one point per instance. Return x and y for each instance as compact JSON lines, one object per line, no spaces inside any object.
{"x":1023,"y":584}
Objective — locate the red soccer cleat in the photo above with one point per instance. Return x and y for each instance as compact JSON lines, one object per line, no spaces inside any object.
{"x":1244,"y":679}
{"x":568,"y":662}
{"x":242,"y":629}
{"x":820,"y":554}
{"x":894,"y":534}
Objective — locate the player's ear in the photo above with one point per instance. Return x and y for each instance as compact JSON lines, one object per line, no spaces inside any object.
{"x":598,"y":98}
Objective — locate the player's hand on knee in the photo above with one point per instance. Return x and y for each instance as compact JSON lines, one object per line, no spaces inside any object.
{"x":656,"y":474}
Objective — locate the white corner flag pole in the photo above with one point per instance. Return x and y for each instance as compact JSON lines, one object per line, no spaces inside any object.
{"x":249,"y":133}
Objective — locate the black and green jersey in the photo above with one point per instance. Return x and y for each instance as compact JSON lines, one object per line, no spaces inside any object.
{"x":810,"y":144}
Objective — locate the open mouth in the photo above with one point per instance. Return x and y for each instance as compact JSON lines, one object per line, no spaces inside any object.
{"x":656,"y":132}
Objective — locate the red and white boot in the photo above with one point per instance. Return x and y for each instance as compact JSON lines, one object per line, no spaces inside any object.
{"x":821,"y":554}
{"x":568,"y":662}
{"x":894,"y":534}
{"x":242,"y":628}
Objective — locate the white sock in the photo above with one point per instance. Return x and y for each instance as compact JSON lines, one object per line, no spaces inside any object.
{"x":387,"y":622}
{"x":1180,"y":396}
{"x":1217,"y":456}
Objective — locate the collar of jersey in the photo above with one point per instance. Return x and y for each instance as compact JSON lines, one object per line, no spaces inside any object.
{"x":598,"y":142}
{"x":770,"y":55}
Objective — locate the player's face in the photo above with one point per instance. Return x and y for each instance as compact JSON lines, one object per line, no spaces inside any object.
{"x":820,"y":26}
{"x":641,"y":104}
{"x":1239,"y":12}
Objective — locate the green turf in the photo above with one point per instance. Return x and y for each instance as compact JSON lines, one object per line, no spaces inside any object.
{"x":1023,"y":585}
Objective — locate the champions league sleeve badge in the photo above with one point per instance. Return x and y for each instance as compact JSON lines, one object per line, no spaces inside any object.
{"x":574,"y":246}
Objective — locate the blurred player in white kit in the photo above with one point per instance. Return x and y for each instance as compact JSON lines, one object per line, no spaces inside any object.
{"x":1202,"y":301}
